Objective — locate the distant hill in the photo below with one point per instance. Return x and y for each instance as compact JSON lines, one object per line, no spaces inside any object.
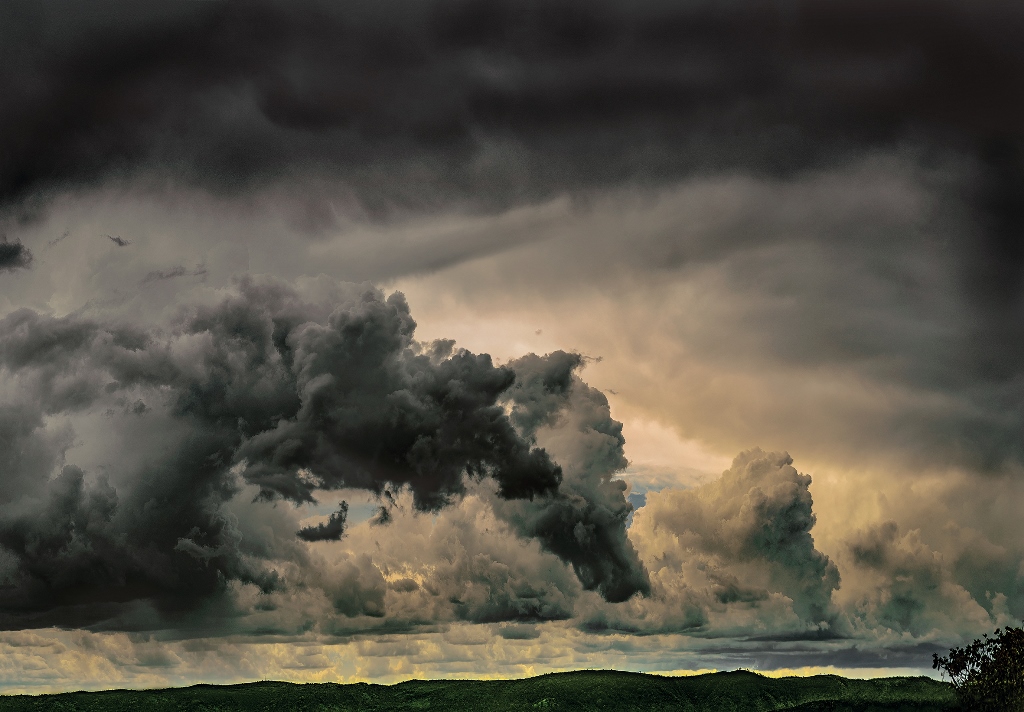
{"x":584,"y":690}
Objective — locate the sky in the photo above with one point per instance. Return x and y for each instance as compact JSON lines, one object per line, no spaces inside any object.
{"x":444,"y":338}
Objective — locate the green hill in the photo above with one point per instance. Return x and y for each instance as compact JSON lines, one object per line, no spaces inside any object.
{"x":585,"y":690}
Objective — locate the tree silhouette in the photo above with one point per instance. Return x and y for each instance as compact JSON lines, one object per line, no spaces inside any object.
{"x":988,"y":674}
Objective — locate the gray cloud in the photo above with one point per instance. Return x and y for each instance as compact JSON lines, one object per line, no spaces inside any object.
{"x":31,"y":450}
{"x":469,"y":565}
{"x":14,"y":255}
{"x":906,"y":584}
{"x":331,"y":530}
{"x":585,"y":523}
{"x":739,"y":543}
{"x":729,"y":289}
{"x":911,"y":282}
{"x":290,"y":396}
{"x":417,"y":105}
{"x":368,"y":411}
{"x":160,"y":275}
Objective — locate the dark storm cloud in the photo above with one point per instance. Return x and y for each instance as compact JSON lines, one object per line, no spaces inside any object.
{"x":292,"y":396}
{"x":14,"y":255}
{"x":397,"y":107}
{"x":28,"y":451}
{"x":421,"y":103}
{"x":331,"y":530}
{"x":369,"y":412}
{"x":584,"y":522}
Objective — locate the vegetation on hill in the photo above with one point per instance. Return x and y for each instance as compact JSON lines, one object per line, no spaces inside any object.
{"x":585,"y":690}
{"x":988,"y":674}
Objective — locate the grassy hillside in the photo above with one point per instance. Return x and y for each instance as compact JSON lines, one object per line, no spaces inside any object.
{"x":587,"y":690}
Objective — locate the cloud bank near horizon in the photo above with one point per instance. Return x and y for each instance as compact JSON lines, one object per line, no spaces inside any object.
{"x":159,"y":480}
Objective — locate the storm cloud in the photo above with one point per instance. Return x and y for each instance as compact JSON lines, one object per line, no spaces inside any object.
{"x":368,"y":114}
{"x":417,"y":105}
{"x":268,"y":390}
{"x":735,"y":550}
{"x":586,"y":524}
{"x":14,"y":255}
{"x":760,"y":511}
{"x":790,"y":223}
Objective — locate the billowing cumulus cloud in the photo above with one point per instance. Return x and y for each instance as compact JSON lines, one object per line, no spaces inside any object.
{"x":736,"y":553}
{"x":908,"y":573}
{"x":467,"y":565}
{"x":759,"y":514}
{"x":586,"y":525}
{"x":912,"y":582}
{"x":288,"y":396}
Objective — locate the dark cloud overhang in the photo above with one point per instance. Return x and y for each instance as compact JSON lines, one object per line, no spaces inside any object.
{"x":232,"y":95}
{"x":14,"y":255}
